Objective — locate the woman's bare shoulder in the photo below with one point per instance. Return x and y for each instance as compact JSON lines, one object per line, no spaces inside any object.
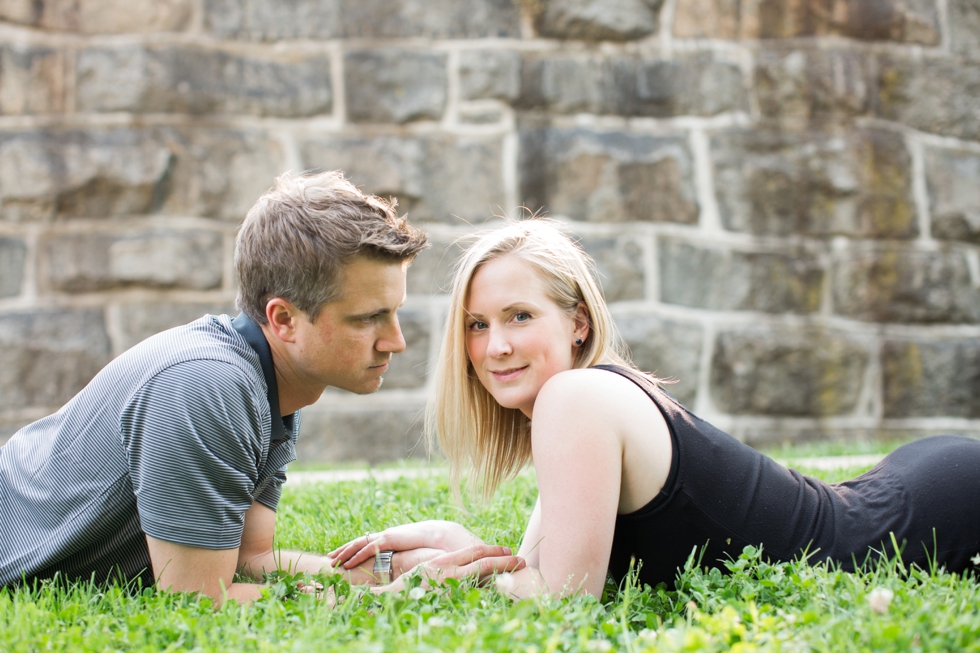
{"x":590,"y":390}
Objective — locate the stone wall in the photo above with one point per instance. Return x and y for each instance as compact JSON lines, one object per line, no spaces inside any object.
{"x":783,"y":196}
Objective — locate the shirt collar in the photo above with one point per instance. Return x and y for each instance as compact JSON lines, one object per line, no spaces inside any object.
{"x":253,"y":335}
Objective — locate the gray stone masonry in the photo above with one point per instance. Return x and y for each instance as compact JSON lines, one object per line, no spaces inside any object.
{"x":782,"y":198}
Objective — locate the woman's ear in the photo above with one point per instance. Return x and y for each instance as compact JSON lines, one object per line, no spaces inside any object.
{"x":582,"y":324}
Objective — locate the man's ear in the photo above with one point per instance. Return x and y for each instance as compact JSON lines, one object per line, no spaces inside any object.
{"x":282,"y":318}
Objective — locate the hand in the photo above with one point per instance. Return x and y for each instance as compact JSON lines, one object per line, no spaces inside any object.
{"x":404,"y":561}
{"x":479,"y":561}
{"x":432,"y":534}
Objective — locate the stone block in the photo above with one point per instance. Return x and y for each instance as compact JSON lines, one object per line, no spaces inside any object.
{"x":597,"y":20}
{"x":220,"y":173}
{"x":99,"y":173}
{"x":813,"y":87}
{"x":13,"y":254}
{"x":261,"y":20}
{"x":619,"y":262}
{"x":396,"y":86}
{"x":787,"y":371}
{"x":433,"y":176}
{"x":410,"y":368}
{"x":931,"y":378}
{"x":817,"y":184}
{"x":897,"y":284}
{"x":608,"y":176}
{"x":32,"y":80}
{"x":102,"y":17}
{"x":194,"y":80}
{"x":431,"y":272}
{"x":152,"y":259}
{"x":47,"y":356}
{"x":137,"y":322}
{"x":964,"y":28}
{"x":934,"y":95}
{"x":492,"y":74}
{"x":669,"y":349}
{"x":698,"y":84}
{"x":731,"y":280}
{"x":902,"y":21}
{"x":953,"y":180}
{"x":373,"y":436}
{"x":709,"y":19}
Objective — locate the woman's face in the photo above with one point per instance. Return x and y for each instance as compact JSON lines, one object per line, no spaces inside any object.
{"x":516,"y":336}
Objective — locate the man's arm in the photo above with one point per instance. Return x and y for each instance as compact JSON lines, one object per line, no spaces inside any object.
{"x":257,"y":557}
{"x":211,"y":571}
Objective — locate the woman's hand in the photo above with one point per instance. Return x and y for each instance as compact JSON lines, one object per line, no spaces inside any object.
{"x":434,"y":534}
{"x":480,"y":561}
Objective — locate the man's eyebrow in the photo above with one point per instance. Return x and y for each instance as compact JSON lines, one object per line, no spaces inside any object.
{"x":379,"y":311}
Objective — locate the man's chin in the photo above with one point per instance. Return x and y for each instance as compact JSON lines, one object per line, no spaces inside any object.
{"x":366,"y":388}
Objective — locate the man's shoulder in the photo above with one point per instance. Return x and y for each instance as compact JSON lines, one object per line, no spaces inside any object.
{"x":208,"y":348}
{"x":209,"y":338}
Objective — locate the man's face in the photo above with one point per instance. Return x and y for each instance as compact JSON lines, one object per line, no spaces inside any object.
{"x":352,"y":340}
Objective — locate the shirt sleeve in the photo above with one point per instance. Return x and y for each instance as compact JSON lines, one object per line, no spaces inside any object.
{"x":194,"y":440}
{"x":270,"y":494}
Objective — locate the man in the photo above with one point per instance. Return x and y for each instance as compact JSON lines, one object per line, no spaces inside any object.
{"x":169,"y":464}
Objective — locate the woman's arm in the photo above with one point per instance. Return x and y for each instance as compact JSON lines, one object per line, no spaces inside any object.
{"x":578,"y":460}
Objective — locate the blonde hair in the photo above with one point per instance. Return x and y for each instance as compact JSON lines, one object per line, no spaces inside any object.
{"x":472,"y":429}
{"x":298,"y":237}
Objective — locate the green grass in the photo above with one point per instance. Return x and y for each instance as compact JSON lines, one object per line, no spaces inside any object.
{"x":757,"y":606}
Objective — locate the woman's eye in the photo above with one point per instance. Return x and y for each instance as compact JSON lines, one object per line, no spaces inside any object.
{"x":477,"y":326}
{"x":522,"y":316}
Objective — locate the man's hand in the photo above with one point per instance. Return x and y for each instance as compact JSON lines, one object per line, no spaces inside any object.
{"x":437,"y":535}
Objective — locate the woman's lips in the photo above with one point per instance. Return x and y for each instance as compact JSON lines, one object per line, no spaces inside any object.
{"x":504,"y":376}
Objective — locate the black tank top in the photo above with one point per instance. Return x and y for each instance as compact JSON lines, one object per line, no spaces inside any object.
{"x":723,"y":495}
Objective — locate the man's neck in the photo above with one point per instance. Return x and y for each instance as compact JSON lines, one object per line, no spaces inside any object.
{"x":293,"y":393}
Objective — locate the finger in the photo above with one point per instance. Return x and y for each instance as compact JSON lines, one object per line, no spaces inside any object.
{"x":485,"y":567}
{"x":347,"y":552}
{"x":470,"y":554}
{"x":354,"y":545}
{"x":368,"y":551}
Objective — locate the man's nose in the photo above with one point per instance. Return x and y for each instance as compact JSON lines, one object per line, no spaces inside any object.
{"x":393,"y":341}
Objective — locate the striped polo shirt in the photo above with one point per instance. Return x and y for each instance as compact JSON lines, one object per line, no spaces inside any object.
{"x":175,"y":438}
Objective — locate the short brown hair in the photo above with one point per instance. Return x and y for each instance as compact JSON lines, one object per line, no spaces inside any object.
{"x":296,"y":240}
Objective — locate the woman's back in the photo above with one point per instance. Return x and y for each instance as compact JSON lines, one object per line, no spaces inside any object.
{"x":723,"y":496}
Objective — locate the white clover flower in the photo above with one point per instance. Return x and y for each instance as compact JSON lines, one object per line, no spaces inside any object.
{"x":504,"y":583}
{"x":416,"y":593}
{"x":976,"y":559}
{"x":880,"y":598}
{"x":436,"y":622}
{"x":598,"y":645}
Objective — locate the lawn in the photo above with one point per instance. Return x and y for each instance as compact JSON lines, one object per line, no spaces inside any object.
{"x":758,"y":606}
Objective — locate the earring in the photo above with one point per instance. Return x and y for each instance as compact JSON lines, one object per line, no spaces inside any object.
{"x":578,"y":342}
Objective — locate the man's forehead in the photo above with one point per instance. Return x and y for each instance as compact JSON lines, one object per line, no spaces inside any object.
{"x":365,"y":283}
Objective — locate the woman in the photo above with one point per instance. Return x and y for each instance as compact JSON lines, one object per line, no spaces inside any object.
{"x":531,"y":368}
